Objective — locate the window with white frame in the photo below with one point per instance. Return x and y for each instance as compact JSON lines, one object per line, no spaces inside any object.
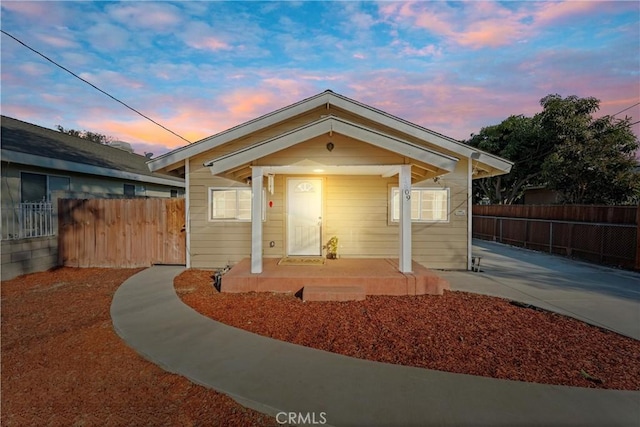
{"x":427,"y":204}
{"x":231,"y":204}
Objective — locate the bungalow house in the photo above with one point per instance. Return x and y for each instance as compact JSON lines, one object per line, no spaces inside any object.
{"x":283,"y":184}
{"x":39,"y":166}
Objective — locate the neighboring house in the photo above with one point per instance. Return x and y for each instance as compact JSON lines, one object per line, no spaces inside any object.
{"x":329,"y":166}
{"x":40,"y":165}
{"x":38,"y":162}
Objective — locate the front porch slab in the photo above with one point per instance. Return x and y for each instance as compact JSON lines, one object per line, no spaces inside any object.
{"x":375,"y":276}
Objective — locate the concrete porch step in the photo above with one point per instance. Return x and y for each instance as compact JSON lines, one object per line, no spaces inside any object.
{"x":333,"y":293}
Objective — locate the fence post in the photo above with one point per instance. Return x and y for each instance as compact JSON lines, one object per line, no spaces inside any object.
{"x":550,"y":237}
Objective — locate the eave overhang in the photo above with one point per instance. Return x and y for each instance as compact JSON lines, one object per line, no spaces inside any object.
{"x":68,"y":166}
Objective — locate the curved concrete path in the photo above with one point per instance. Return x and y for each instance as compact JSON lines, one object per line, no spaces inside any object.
{"x":273,"y":376}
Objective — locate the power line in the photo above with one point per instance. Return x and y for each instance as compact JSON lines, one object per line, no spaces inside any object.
{"x":637,"y":103}
{"x":94,"y":86}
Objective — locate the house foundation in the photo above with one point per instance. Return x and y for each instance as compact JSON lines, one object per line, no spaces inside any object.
{"x":373,"y":276}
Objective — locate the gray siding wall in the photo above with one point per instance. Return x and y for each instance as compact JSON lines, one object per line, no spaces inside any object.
{"x":81,"y":186}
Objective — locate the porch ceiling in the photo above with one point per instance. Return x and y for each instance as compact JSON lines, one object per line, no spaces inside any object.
{"x":419,"y":172}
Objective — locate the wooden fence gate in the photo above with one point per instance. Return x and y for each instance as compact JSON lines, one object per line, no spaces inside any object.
{"x":121,"y":233}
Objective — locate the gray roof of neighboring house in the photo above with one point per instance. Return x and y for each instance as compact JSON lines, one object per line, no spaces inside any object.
{"x":30,"y":144}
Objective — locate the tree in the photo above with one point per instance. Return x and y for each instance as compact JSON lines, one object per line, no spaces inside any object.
{"x":594,"y":159}
{"x":563,"y":147}
{"x":88,"y":135}
{"x":518,"y":139}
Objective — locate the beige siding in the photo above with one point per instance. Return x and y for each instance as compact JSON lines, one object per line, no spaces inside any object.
{"x":213,"y":244}
{"x":356,"y":209}
{"x":346,"y":151}
{"x":444,"y":245}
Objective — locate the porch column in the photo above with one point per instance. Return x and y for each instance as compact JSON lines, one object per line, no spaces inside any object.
{"x":256,"y":220}
{"x":405,"y":219}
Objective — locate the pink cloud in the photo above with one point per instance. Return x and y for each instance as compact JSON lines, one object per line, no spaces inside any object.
{"x":473,"y":24}
{"x":39,"y":11}
{"x":209,"y":43}
{"x":430,"y":50}
{"x":247,"y":102}
{"x":148,"y":15}
{"x":437,"y":22}
{"x":201,"y":36}
{"x":552,"y":12}
{"x":195,"y":119}
{"x":489,"y":24}
{"x":492,"y":33}
{"x":107,"y":37}
{"x":191,"y":124}
{"x":58,"y":41}
{"x":109,"y":80}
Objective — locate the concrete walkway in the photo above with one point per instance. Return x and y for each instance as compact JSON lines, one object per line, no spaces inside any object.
{"x":273,"y":376}
{"x":598,"y":295}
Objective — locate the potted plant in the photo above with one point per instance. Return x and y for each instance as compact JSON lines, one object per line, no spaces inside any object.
{"x":332,"y":248}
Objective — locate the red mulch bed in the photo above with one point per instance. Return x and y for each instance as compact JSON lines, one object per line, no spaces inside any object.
{"x":456,"y":332}
{"x":63,"y":364}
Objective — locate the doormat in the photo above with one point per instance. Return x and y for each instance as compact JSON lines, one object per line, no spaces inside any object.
{"x":302,"y":260}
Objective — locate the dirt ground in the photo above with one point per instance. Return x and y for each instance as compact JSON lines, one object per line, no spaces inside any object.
{"x":63,"y":365}
{"x":456,"y":332}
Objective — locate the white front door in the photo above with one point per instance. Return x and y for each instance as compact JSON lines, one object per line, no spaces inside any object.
{"x":304,"y":216}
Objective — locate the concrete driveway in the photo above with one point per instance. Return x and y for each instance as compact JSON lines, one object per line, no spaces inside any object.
{"x":598,"y":295}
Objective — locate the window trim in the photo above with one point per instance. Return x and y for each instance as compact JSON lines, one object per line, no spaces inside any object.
{"x":396,"y":221}
{"x":210,"y":191}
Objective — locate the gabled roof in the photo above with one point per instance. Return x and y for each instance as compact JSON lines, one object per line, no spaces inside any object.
{"x":29,"y":144}
{"x":493,"y":165}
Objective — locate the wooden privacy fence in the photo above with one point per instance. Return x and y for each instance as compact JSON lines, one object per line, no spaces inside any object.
{"x":122,"y":233}
{"x":603,"y":234}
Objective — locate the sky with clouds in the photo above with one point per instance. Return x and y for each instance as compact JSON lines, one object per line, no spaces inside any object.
{"x":199,"y":68}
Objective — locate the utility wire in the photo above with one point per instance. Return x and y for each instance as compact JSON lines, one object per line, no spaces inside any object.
{"x":94,"y":86}
{"x":637,"y":103}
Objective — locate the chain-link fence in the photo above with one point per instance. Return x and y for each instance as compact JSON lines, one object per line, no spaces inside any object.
{"x":604,"y":243}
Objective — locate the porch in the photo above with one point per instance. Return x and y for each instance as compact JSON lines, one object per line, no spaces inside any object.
{"x":356,"y":276}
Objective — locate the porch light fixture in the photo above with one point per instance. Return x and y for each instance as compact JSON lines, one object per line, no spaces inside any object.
{"x":330,"y":146}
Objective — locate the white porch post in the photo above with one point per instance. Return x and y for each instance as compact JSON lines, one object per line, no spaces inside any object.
{"x":256,"y":220}
{"x":405,"y":218}
{"x":187,"y":209}
{"x":469,"y":213}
